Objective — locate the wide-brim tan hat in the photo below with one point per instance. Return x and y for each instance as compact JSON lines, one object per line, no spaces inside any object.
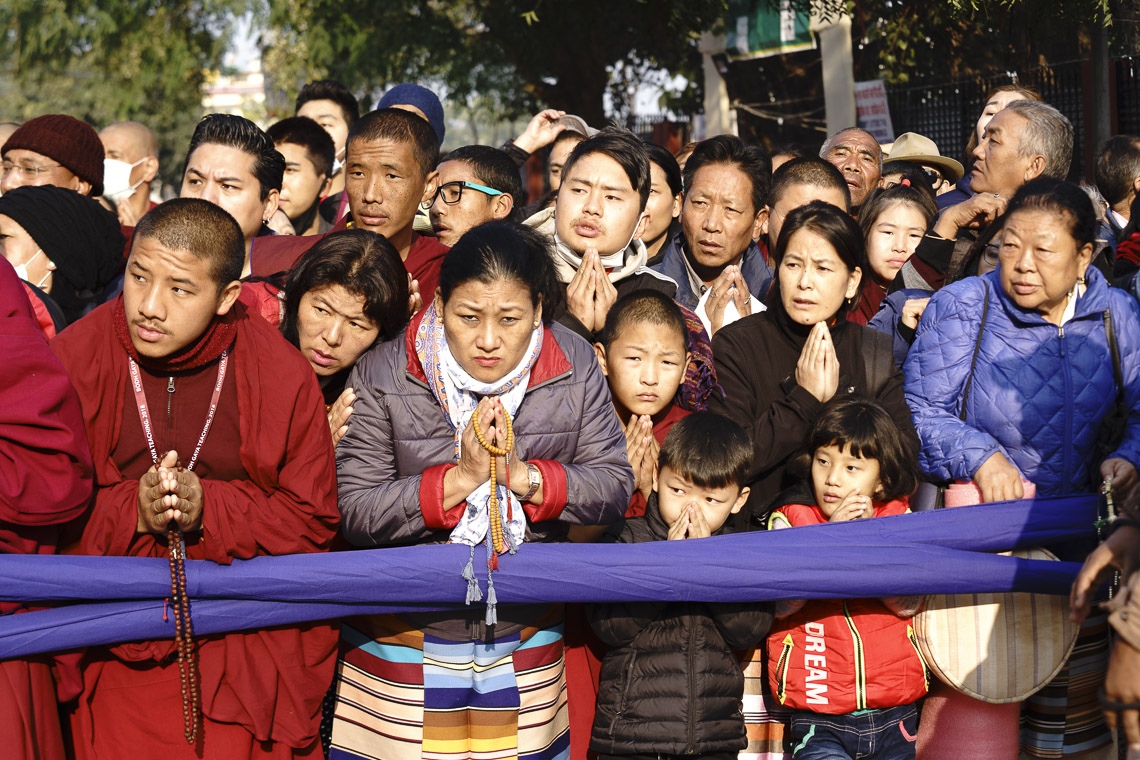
{"x":913,"y":147}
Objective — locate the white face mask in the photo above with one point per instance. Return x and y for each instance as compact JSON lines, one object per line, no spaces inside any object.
{"x":338,"y":163}
{"x":117,"y":185}
{"x":22,"y":270}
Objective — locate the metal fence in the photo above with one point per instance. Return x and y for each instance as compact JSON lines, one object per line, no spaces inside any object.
{"x":947,"y":112}
{"x":670,"y":132}
{"x":1126,"y":73}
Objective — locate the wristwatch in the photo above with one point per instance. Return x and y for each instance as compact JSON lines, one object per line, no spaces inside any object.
{"x":534,"y":480}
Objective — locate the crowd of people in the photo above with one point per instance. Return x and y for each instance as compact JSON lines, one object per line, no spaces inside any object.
{"x":350,"y":340}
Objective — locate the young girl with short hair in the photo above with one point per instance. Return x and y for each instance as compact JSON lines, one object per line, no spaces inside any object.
{"x":850,"y":669}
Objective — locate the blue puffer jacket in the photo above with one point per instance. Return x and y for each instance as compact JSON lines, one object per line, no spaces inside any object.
{"x":1040,"y":393}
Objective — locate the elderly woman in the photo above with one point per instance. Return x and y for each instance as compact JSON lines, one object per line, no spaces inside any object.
{"x":416,"y":467}
{"x":349,"y":292}
{"x":1011,"y":378}
{"x":810,"y":351}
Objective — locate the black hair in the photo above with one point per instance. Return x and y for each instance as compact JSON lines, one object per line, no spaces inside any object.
{"x":708,"y":450}
{"x":867,"y":431}
{"x":242,"y":134}
{"x":880,"y":199}
{"x":303,"y":131}
{"x":808,"y":170}
{"x":567,"y":134}
{"x":492,"y":167}
{"x":913,"y":173}
{"x":329,"y":89}
{"x":400,"y":126}
{"x":1057,"y":196}
{"x":793,"y":149}
{"x":753,"y":160}
{"x":201,"y":228}
{"x":639,"y":306}
{"x":668,"y":164}
{"x":622,"y":146}
{"x":363,"y":263}
{"x":832,"y":224}
{"x":1117,"y":167}
{"x":503,"y":250}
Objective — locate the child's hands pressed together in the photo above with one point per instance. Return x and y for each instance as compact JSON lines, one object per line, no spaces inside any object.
{"x":853,"y":507}
{"x":642,"y":449}
{"x":691,"y":523}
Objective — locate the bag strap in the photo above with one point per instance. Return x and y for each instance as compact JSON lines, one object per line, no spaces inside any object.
{"x":878,"y":361}
{"x":1117,"y":374}
{"x":974,"y":358}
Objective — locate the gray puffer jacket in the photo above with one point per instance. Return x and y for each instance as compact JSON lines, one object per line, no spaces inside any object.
{"x":398,"y":436}
{"x":390,"y":464}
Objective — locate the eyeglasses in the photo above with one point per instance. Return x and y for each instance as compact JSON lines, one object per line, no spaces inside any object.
{"x":27,"y":172}
{"x":452,"y":192}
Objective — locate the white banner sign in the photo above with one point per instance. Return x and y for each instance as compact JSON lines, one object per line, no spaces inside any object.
{"x":874,"y":115}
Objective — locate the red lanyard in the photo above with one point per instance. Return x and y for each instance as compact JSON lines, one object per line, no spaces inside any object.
{"x":144,"y":415}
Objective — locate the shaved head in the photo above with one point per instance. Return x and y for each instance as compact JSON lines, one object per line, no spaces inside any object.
{"x":134,"y":140}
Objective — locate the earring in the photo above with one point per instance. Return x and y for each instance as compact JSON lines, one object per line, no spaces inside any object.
{"x":535,"y":325}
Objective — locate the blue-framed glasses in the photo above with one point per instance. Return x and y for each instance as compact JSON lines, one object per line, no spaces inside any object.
{"x":452,"y":192}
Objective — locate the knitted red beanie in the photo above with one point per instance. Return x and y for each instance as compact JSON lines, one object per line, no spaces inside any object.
{"x":73,"y":143}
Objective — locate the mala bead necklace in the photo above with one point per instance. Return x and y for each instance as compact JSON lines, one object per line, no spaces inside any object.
{"x":183,"y":630}
{"x":498,"y":542}
{"x":184,"y":635}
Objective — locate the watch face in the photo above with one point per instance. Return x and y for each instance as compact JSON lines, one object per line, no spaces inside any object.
{"x":534,"y":480}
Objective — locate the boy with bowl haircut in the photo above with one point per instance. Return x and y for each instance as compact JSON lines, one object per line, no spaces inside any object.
{"x":671,"y":684}
{"x":643,"y":350}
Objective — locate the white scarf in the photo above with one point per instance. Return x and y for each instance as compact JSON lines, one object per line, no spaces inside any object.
{"x":458,"y":394}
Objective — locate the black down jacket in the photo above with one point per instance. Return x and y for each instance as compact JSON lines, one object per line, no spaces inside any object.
{"x":670,"y":683}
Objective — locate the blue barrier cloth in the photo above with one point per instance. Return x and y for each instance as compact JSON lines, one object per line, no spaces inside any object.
{"x":943,"y":551}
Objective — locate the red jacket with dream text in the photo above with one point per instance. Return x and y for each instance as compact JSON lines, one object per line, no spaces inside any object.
{"x":836,"y":656}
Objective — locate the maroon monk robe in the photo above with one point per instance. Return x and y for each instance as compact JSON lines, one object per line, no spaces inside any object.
{"x":269,"y":483}
{"x":45,"y":482}
{"x":273,"y":254}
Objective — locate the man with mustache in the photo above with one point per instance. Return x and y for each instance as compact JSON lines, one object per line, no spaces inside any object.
{"x":232,"y":459}
{"x":596,"y":226}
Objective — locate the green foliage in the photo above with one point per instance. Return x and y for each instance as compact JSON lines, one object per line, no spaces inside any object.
{"x":909,"y":41}
{"x":1071,"y":10}
{"x":517,"y":53}
{"x":109,"y":60}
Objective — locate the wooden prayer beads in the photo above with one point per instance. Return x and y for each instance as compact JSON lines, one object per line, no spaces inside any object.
{"x":184,"y":636}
